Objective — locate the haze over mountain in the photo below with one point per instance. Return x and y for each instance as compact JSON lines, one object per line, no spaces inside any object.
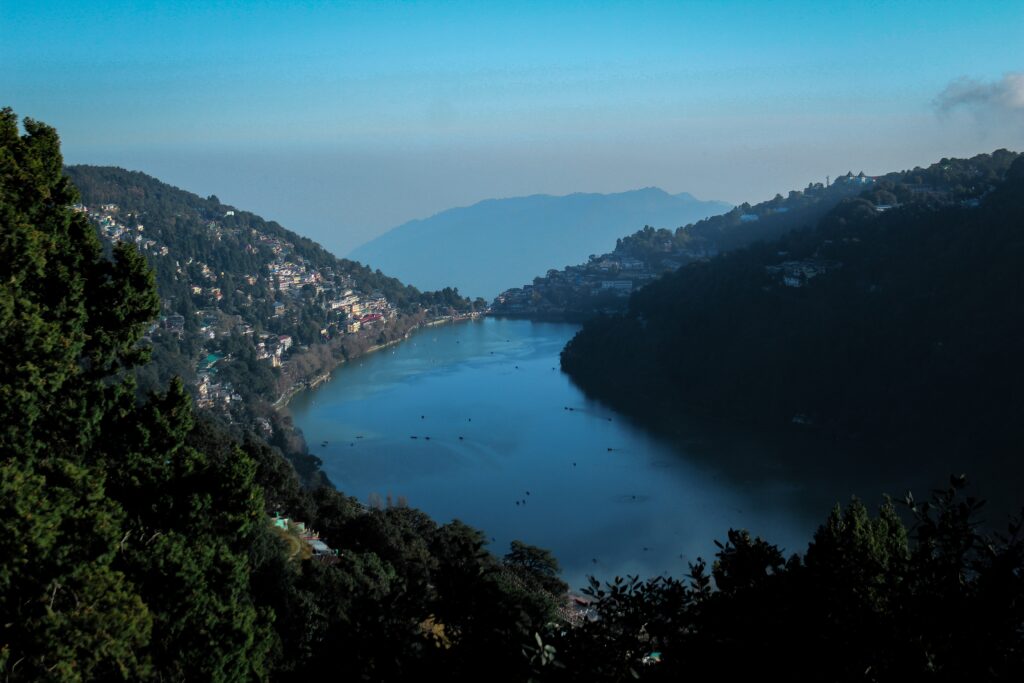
{"x":494,"y":244}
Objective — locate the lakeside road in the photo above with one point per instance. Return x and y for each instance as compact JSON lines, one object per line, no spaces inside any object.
{"x":312,"y":383}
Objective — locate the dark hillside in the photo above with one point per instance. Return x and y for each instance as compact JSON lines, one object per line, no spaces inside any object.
{"x":899,"y":324}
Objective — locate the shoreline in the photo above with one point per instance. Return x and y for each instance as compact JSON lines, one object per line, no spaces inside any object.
{"x":285,"y":398}
{"x":546,"y":317}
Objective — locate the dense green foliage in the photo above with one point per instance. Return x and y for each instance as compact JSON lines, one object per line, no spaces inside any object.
{"x":69,"y":320}
{"x":906,"y":327}
{"x":868,"y":601}
{"x":135,"y":541}
{"x":124,"y":546}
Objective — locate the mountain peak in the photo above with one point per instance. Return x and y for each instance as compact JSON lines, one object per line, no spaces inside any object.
{"x":497,"y":243}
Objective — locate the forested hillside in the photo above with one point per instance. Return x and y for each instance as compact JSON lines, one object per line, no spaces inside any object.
{"x":604,"y":283}
{"x":182,"y":221}
{"x":898,"y":317}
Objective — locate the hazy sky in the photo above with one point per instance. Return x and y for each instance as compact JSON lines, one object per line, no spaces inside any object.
{"x":341,"y":120}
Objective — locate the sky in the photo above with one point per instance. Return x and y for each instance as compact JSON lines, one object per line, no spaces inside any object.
{"x":341,"y":120}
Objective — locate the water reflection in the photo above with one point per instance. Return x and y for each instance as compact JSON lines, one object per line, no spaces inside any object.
{"x":475,"y":422}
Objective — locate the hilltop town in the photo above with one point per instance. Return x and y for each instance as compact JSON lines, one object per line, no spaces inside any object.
{"x":251,"y":313}
{"x":293,"y":280}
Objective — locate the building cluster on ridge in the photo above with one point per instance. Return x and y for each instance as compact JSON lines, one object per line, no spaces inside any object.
{"x":288,"y":277}
{"x":615,"y":275}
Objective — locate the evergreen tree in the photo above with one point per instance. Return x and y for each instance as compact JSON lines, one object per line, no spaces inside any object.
{"x":69,"y":321}
{"x":125,"y":528}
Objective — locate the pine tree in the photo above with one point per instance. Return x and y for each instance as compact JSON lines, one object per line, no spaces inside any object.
{"x":124,"y":529}
{"x":69,"y":323}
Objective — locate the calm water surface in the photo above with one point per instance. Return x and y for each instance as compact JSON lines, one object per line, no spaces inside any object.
{"x":607,"y":497}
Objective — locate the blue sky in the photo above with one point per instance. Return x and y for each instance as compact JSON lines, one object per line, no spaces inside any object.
{"x":343,"y":119}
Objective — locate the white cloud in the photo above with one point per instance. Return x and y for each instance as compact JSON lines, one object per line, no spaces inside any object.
{"x":1005,"y":96}
{"x":990,"y":112}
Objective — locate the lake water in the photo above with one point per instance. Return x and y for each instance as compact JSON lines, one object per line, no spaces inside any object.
{"x":506,"y":443}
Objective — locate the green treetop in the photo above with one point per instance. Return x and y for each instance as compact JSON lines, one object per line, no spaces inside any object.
{"x":122,"y":546}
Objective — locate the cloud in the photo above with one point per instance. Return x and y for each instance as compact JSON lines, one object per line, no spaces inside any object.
{"x":1004,"y":97}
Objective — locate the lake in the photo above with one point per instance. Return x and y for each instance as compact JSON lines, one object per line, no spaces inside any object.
{"x":476,"y":422}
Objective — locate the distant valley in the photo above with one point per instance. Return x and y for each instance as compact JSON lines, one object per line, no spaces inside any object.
{"x":495,"y":244}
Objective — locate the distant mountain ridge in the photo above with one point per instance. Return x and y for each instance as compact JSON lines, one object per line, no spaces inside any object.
{"x":497,"y":243}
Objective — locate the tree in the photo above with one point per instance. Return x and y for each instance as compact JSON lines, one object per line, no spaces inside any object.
{"x":537,"y":564}
{"x":871,"y":601}
{"x":69,"y":322}
{"x":124,"y":529}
